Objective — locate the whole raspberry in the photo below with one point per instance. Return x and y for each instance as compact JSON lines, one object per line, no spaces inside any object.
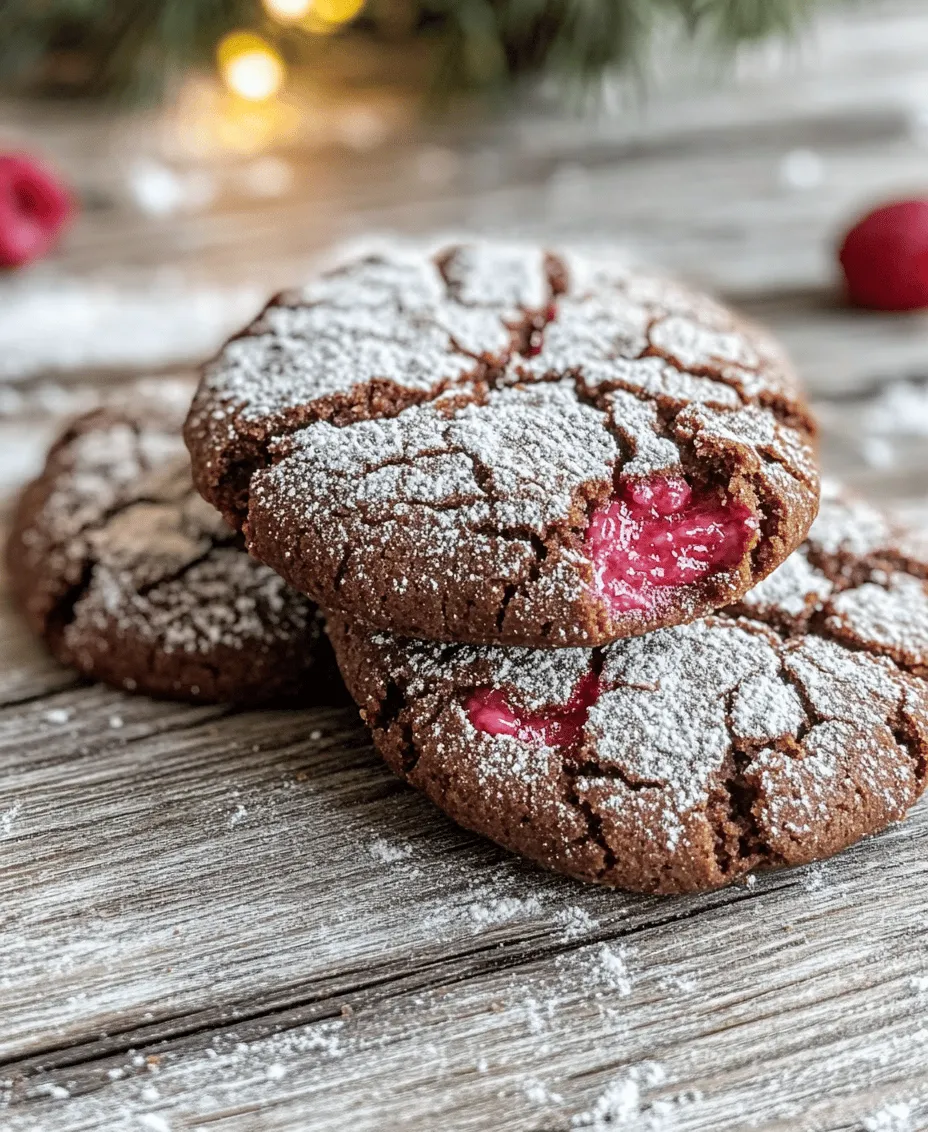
{"x":34,"y":208}
{"x":885,"y":257}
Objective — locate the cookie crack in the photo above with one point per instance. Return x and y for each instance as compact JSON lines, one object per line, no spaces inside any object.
{"x":181,"y":572}
{"x":912,"y":743}
{"x":377,"y":399}
{"x":594,"y":768}
{"x":817,"y":626}
{"x":527,"y":334}
{"x":342,"y":568}
{"x":787,"y":410}
{"x":61,"y":613}
{"x":739,"y":843}
{"x":570,"y":773}
{"x":514,"y":589}
{"x":846,"y":571}
{"x":813,"y":716}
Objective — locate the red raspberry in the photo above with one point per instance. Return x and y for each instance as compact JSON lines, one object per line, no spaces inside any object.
{"x":34,"y":208}
{"x":885,"y":257}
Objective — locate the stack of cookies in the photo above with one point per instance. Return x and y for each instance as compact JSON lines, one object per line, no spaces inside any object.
{"x":559,"y":517}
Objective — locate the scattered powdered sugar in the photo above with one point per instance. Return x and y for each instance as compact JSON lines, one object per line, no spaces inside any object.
{"x":814,"y":878}
{"x":894,"y":1117}
{"x":625,"y":1103}
{"x":683,"y":983}
{"x":388,"y":853}
{"x":575,"y":922}
{"x":56,"y":1092}
{"x":8,"y":818}
{"x":919,"y":984}
{"x":622,"y":1102}
{"x":57,"y":716}
{"x":73,"y":324}
{"x":237,"y":816}
{"x":539,"y":1094}
{"x":153,"y":1121}
{"x":611,"y":970}
{"x":503,"y":910}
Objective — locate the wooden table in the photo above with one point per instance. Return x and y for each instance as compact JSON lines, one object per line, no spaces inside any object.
{"x":211,"y":919}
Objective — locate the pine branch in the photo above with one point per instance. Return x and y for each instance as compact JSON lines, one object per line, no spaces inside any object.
{"x":133,"y":44}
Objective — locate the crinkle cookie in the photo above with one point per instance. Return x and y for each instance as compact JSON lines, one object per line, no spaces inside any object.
{"x":505,"y":446}
{"x":133,"y":579}
{"x":772,"y":734}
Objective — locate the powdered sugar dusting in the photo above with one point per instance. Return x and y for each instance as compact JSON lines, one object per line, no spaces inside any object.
{"x":508,"y":278}
{"x":387,"y":318}
{"x":894,"y":1117}
{"x":165,"y":572}
{"x":623,"y":1103}
{"x":502,"y":910}
{"x":894,"y":616}
{"x":794,"y":588}
{"x":466,"y":470}
{"x":846,"y":525}
{"x":388,"y":853}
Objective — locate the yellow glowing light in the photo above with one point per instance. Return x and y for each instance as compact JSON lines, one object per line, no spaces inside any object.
{"x":326,"y":14}
{"x":250,"y":67}
{"x":287,"y":11}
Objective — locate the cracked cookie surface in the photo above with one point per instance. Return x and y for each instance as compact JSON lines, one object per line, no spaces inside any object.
{"x":445,"y":446}
{"x":774,"y":733}
{"x":131,"y":578}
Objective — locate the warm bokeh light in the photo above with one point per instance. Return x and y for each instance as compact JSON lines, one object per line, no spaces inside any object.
{"x":287,"y":11}
{"x":250,"y":67}
{"x":207,"y":122}
{"x":326,"y":15}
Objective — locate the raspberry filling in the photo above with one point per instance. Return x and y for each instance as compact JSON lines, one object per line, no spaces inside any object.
{"x":490,"y":711}
{"x":659,"y":533}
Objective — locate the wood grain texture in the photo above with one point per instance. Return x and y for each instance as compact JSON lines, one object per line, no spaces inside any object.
{"x":211,"y":919}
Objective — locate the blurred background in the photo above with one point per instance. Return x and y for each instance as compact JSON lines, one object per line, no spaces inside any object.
{"x":166,"y":164}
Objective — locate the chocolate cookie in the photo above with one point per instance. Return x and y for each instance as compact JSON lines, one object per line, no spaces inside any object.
{"x":504,"y":446}
{"x":769,"y":735}
{"x":133,"y":579}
